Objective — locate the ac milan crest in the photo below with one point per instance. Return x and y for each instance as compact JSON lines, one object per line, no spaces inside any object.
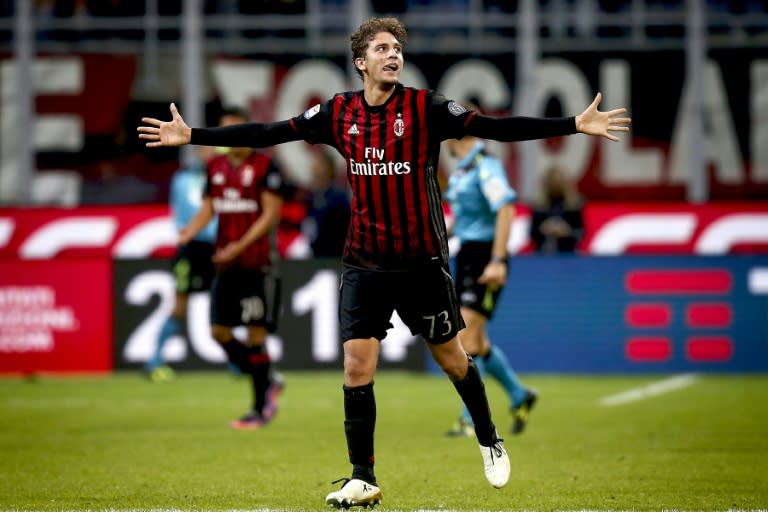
{"x":399,"y":125}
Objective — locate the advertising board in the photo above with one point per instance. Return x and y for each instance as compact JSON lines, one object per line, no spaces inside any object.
{"x":54,"y":316}
{"x":86,"y":289}
{"x":307,"y":335}
{"x":629,"y":314}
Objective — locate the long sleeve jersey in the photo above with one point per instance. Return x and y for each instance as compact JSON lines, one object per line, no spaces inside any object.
{"x":392,"y":153}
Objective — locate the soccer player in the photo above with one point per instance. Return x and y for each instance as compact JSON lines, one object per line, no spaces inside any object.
{"x":396,"y":254}
{"x":192,"y":266}
{"x":244,"y":189}
{"x":483,"y":207}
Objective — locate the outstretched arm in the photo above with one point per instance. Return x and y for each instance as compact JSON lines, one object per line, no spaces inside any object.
{"x":177,"y":133}
{"x":594,"y":122}
{"x":517,"y":128}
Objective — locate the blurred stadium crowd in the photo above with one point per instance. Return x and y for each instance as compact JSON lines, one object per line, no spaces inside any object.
{"x":67,"y":20}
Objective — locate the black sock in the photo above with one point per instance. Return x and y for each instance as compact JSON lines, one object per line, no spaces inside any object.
{"x":472,"y":392}
{"x":259,"y":359}
{"x":359,"y":425}
{"x":237,"y":353}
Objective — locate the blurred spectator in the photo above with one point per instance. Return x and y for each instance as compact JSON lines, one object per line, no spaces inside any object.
{"x":116,"y":9}
{"x":114,"y":185}
{"x":281,"y":7}
{"x":389,"y":6}
{"x":557,"y":224}
{"x":491,"y":7}
{"x":618,"y":7}
{"x":53,"y":10}
{"x":175,"y":7}
{"x":442,"y":5}
{"x":506,"y":6}
{"x":117,"y":175}
{"x":272,"y":6}
{"x":6,"y":11}
{"x":665,"y":30}
{"x":329,"y":208}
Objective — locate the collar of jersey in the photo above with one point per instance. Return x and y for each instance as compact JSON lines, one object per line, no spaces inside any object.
{"x":377,"y":108}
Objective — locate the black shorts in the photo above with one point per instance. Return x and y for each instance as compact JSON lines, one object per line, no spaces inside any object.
{"x":470,"y":263}
{"x":238,"y":298}
{"x":424,"y":298}
{"x":193,"y":267}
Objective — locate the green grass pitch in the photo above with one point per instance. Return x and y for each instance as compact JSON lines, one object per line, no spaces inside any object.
{"x":123,"y":443}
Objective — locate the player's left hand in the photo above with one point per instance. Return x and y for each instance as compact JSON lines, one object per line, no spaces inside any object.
{"x":185,"y":236}
{"x":494,"y":274}
{"x":594,"y":122}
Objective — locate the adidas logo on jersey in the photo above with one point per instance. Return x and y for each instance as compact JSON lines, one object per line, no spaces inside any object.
{"x":353,"y":130}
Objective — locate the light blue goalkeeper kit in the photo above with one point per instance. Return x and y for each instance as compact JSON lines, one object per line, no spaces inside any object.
{"x":186,"y":197}
{"x":477,"y":189}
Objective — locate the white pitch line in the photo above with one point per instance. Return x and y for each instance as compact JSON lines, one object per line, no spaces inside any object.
{"x":653,"y":389}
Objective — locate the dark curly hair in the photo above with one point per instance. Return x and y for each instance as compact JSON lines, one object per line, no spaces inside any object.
{"x":367,"y":31}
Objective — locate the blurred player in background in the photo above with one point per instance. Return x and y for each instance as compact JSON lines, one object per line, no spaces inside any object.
{"x":329,"y":209}
{"x":396,"y":253}
{"x":244,"y":188}
{"x":483,"y":207}
{"x":192,"y":265}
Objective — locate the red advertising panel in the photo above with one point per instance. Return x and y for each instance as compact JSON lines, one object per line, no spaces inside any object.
{"x":130,"y":232}
{"x":97,"y":232}
{"x":676,"y":228}
{"x":55,"y":316}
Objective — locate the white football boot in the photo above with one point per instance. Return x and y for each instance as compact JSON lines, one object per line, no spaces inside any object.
{"x":354,"y":493}
{"x":496,"y":464}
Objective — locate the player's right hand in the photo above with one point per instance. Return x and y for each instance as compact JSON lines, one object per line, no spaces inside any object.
{"x":185,"y":236}
{"x":165,"y":133}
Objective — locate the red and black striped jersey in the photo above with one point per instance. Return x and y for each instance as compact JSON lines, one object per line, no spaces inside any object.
{"x":236,"y":192}
{"x":391,"y":153}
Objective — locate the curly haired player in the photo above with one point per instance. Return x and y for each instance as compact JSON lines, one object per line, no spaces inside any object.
{"x":396,"y":254}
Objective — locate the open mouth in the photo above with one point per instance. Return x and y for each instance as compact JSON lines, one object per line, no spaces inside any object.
{"x":390,"y":67}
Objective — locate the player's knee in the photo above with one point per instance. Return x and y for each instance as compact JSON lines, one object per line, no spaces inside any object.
{"x":472,"y":342}
{"x":454,"y":367}
{"x":221,"y":334}
{"x":358,"y":370}
{"x":257,"y":335}
{"x":179,"y":316}
{"x":450,"y":357}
